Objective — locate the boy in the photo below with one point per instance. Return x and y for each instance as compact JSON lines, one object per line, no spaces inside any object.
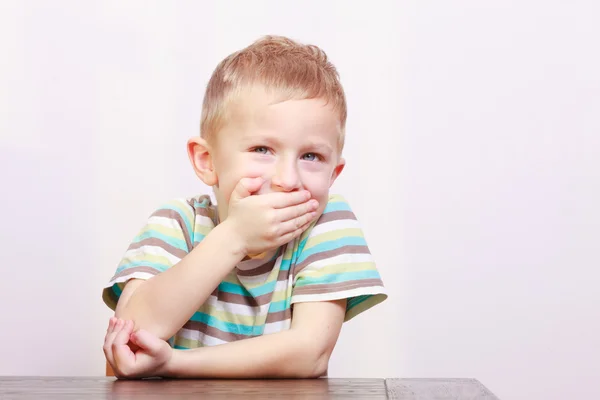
{"x":259,"y":284}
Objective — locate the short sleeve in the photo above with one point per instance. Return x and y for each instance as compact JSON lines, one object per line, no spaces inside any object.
{"x":163,"y":241}
{"x":334,"y":262}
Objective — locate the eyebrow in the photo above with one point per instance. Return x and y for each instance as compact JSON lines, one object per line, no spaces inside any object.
{"x":321,"y":147}
{"x":273,"y":141}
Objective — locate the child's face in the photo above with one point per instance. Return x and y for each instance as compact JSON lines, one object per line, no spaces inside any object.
{"x":292,"y":145}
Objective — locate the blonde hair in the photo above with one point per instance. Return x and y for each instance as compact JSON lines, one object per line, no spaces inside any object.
{"x":290,"y":69}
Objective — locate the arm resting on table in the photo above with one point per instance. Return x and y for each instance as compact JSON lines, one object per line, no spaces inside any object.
{"x":303,"y":351}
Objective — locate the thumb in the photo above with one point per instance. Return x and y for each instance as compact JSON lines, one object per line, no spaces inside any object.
{"x":245,"y":187}
{"x":146,"y":341}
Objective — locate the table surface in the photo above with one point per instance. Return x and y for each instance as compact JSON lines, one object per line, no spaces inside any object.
{"x":31,"y":387}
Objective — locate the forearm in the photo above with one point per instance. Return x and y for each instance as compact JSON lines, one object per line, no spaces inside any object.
{"x":164,"y":303}
{"x":287,"y":354}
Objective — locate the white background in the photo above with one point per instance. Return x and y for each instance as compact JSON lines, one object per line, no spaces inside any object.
{"x":473,"y":163}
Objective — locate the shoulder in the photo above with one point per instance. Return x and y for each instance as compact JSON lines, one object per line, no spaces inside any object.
{"x":186,"y":210}
{"x":337,"y":215}
{"x":187,"y":219}
{"x":337,"y":208}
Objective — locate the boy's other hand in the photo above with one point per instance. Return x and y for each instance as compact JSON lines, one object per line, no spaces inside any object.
{"x":267,"y":221}
{"x":149,"y":360}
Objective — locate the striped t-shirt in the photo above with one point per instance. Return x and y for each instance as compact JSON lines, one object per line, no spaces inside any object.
{"x":329,"y":261}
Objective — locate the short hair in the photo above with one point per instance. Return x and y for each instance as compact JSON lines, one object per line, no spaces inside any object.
{"x":284,"y":66}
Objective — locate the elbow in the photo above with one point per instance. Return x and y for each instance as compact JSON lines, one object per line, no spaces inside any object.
{"x":317,"y":366}
{"x":312,"y":357}
{"x":139,"y":322}
{"x":322,"y":364}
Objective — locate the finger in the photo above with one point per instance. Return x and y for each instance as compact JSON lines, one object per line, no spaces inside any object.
{"x":113,"y":331}
{"x":123,"y":356}
{"x":124,"y":360}
{"x":118,"y":326}
{"x":111,"y":324}
{"x":287,"y":199}
{"x":108,"y":342}
{"x":122,"y":336}
{"x":288,"y":213}
{"x":288,"y":237}
{"x":147,"y":341}
{"x":246,"y":186}
{"x":297,"y":223}
{"x":108,"y":354}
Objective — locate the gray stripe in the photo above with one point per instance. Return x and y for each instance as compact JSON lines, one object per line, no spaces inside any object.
{"x":214,"y":332}
{"x":172,"y":214}
{"x":279,"y":316}
{"x":350,"y":249}
{"x":336,"y":287}
{"x":261,"y":267}
{"x":159,"y":243}
{"x":131,"y":270}
{"x":335,"y":216}
{"x":244,"y":300}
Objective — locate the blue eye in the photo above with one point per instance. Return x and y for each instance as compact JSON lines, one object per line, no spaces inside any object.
{"x":309,"y":157}
{"x":260,"y":150}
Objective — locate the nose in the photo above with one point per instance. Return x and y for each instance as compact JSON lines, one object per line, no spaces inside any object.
{"x":286,"y":177}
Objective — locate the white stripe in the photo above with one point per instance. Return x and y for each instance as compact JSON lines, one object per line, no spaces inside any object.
{"x":198,"y":336}
{"x":152,"y":250}
{"x":203,"y":221}
{"x":233,"y":308}
{"x":253,"y":280}
{"x":278,"y":326}
{"x":334,"y":226}
{"x":256,"y":279}
{"x":166,"y":222}
{"x":282,"y":285}
{"x":343,"y":294}
{"x":134,"y":275}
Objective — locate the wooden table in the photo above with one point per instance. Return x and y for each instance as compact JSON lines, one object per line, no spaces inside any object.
{"x":110,"y":388}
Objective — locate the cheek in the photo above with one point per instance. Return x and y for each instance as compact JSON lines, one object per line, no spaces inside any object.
{"x":318,"y":186}
{"x":237,"y":169}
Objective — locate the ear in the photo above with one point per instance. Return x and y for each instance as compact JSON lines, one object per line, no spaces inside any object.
{"x":337,"y":171}
{"x":199,"y":152}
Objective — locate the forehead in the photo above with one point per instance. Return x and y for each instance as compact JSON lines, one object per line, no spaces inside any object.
{"x":259,"y":112}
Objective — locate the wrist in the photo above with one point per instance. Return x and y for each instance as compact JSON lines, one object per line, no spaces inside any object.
{"x":231,"y":235}
{"x":186,"y":364}
{"x":170,"y":369}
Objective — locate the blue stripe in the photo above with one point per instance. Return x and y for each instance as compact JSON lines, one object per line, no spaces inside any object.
{"x":117,"y":290}
{"x":254,"y":292}
{"x":233,"y":288}
{"x":238,"y":329}
{"x":198,"y":237}
{"x":337,"y":278}
{"x":181,"y":213}
{"x":278,"y":306}
{"x":286,"y":264}
{"x":336,"y":206}
{"x":201,"y":204}
{"x":160,"y":267}
{"x":353,"y":302}
{"x":332,"y":245}
{"x":151,"y":233}
{"x":178,"y":347}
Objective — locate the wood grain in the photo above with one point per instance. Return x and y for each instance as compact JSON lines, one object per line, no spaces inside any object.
{"x":437,"y":389}
{"x":110,"y":388}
